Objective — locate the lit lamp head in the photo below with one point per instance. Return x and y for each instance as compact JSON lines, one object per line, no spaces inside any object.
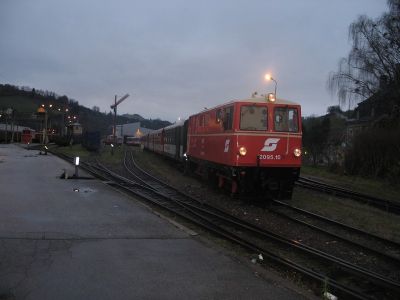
{"x":271,"y":97}
{"x":41,"y":110}
{"x":268,"y":77}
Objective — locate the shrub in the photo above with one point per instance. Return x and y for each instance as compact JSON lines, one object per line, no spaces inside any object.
{"x":375,"y":153}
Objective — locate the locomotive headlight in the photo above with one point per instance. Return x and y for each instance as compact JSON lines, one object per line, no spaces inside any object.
{"x":297,"y":152}
{"x":271,"y":97}
{"x":242,"y":151}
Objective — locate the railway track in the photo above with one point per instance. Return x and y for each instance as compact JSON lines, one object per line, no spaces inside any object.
{"x":249,"y":230}
{"x":343,"y":278}
{"x":383,"y":204}
{"x":312,"y":218}
{"x":374,"y":251}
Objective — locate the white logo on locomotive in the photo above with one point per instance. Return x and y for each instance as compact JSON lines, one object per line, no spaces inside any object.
{"x":227,"y":145}
{"x":270,"y":144}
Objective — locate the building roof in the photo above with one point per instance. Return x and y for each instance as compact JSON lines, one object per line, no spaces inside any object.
{"x":17,"y":128}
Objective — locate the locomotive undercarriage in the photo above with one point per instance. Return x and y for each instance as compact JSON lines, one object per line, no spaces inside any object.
{"x":276,"y":183}
{"x":267,"y":182}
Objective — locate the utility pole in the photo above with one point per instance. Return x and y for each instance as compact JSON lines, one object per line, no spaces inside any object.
{"x":114,"y":107}
{"x":12,"y":125}
{"x":8,"y":114}
{"x":6,"y":136}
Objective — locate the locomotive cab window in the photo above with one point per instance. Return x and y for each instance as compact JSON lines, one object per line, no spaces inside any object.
{"x":253,"y":117}
{"x":286,"y":119}
{"x":228,"y":118}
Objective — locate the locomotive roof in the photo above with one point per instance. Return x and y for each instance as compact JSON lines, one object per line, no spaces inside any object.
{"x":176,"y":124}
{"x":251,"y":100}
{"x":262,"y":100}
{"x":248,"y":100}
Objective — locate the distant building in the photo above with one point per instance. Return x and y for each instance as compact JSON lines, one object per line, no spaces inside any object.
{"x":14,"y":132}
{"x":74,"y":129}
{"x":354,"y":127}
{"x":372,"y":112}
{"x":131,"y":129}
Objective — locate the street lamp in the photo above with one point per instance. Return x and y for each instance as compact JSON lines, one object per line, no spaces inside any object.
{"x":41,"y":111}
{"x":269,"y":77}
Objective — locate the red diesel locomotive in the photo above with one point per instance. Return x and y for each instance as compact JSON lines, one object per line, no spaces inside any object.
{"x":254,"y":145}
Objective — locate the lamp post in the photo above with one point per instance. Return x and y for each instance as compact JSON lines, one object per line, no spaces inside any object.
{"x":41,"y":111}
{"x":269,"y":77}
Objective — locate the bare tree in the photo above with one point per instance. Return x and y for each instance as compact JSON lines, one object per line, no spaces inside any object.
{"x":374,"y":59}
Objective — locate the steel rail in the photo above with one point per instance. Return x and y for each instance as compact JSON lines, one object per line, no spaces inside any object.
{"x":378,"y":238}
{"x":321,"y":278}
{"x":346,"y":227}
{"x":376,"y":252}
{"x":270,"y":235}
{"x":383,"y":204}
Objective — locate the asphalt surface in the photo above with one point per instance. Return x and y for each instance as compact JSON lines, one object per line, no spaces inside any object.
{"x":80,"y":239}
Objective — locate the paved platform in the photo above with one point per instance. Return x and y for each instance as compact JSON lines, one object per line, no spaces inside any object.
{"x":58,"y":243}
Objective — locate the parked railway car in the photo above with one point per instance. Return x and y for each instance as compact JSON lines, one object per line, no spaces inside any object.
{"x":251,"y":144}
{"x":131,"y":141}
{"x":111,"y":140}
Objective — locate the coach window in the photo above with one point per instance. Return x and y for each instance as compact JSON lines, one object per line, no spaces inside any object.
{"x":286,"y":119}
{"x":253,"y":117}
{"x":228,"y":118}
{"x":218,"y":116}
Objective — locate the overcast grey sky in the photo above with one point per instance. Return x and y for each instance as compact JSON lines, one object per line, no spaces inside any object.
{"x":176,"y":57}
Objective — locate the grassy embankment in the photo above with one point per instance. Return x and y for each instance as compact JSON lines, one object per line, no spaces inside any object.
{"x":378,"y":188}
{"x":104,"y":155}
